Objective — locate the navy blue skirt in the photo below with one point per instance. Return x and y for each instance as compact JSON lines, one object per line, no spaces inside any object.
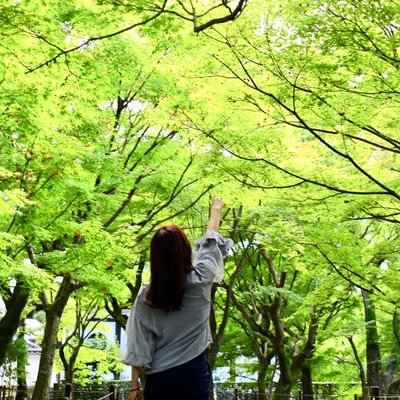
{"x":189,"y":381}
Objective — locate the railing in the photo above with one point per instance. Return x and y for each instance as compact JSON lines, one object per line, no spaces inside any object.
{"x":10,"y":393}
{"x":229,"y":393}
{"x":252,"y":394}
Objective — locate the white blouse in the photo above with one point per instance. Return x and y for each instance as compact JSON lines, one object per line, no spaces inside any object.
{"x":159,"y":340}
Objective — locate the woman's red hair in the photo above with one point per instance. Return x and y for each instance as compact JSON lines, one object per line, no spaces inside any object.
{"x":170,"y":261}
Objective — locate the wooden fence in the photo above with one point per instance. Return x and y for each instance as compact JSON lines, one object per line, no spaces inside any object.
{"x":66,"y":393}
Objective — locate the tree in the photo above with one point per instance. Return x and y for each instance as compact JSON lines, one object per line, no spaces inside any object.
{"x":266,"y":321}
{"x":84,"y":324}
{"x":91,"y":178}
{"x":304,"y":71}
{"x":373,"y":255}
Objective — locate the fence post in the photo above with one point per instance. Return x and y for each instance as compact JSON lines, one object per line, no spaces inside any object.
{"x":374,"y":392}
{"x":56,"y":391}
{"x":68,"y":390}
{"x":113,"y":392}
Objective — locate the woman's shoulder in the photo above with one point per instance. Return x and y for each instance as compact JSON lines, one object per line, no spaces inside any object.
{"x":144,"y":288}
{"x":142,"y":308}
{"x":141,"y":296}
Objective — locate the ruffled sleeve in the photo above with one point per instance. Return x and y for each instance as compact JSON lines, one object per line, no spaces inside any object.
{"x":210,"y":252}
{"x":139,"y":339}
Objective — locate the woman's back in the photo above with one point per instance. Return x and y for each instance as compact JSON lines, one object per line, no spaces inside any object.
{"x":175,"y":337}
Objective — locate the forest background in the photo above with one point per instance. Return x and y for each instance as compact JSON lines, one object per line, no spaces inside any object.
{"x":119,"y":116}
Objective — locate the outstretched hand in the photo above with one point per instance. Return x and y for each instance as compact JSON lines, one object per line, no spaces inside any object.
{"x":215,"y":214}
{"x":217,"y":203}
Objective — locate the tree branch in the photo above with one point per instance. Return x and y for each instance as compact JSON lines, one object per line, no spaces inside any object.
{"x":229,"y":17}
{"x":96,"y":38}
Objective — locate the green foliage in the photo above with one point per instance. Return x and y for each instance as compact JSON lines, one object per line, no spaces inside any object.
{"x":96,"y":360}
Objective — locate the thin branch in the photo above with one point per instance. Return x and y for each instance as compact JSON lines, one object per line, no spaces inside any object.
{"x":177,"y":189}
{"x":97,"y":38}
{"x":287,"y":172}
{"x":124,"y":203}
{"x":271,"y":267}
{"x":229,"y":17}
{"x":160,"y":221}
{"x":62,"y":212}
{"x":359,"y":363}
{"x":138,"y":141}
{"x":346,"y":278}
{"x":259,"y":186}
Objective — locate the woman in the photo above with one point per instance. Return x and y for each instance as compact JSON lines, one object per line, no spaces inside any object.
{"x":167,"y":329}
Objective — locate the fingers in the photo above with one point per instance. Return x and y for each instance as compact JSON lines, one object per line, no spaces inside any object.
{"x":217,"y":203}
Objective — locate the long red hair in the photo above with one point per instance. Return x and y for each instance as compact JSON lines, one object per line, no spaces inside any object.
{"x":170,"y":261}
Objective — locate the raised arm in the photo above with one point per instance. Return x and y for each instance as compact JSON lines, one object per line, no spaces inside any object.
{"x":215,"y":214}
{"x":212,"y":248}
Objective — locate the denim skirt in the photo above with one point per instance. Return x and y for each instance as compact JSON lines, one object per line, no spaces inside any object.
{"x":189,"y":381}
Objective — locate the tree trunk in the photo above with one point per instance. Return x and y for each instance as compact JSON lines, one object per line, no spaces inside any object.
{"x":372,"y":344}
{"x":301,"y":363}
{"x":41,"y":390}
{"x":393,"y":388}
{"x":262,"y":373}
{"x":69,"y":363}
{"x":22,"y":359}
{"x":217,"y":333}
{"x":306,"y":382}
{"x":283,"y":389}
{"x":11,"y":320}
{"x":69,"y":372}
{"x":285,"y":383}
{"x":284,"y":386}
{"x":361,"y":371}
{"x":53,"y":315}
{"x":388,"y":375}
